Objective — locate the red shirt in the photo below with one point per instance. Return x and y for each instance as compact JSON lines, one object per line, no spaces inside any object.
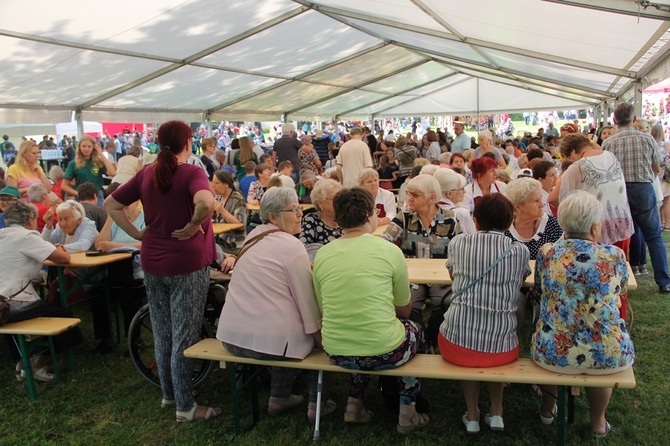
{"x":41,"y":210}
{"x":162,"y":254}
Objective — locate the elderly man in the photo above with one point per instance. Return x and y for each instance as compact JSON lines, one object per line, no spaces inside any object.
{"x":8,"y":195}
{"x":354,"y":156}
{"x":640,"y":162}
{"x":287,"y":148}
{"x":462,"y":141}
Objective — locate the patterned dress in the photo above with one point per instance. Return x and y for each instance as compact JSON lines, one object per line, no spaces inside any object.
{"x":580,"y":326}
{"x":314,"y":230}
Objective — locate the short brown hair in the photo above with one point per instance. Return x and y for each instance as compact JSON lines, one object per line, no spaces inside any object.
{"x":573,"y":143}
{"x":493,"y":212}
{"x":87,"y":191}
{"x":353,"y":207}
{"x":540,"y":169}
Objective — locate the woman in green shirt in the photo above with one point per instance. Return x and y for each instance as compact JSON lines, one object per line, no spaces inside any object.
{"x":365,"y":303}
{"x":89,"y":164}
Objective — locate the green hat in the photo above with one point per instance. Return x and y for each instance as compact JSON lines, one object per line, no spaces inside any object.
{"x":11,"y":191}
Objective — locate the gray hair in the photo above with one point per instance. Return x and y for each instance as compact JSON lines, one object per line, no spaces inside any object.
{"x":220,"y":152}
{"x":365,"y":173}
{"x":134,"y":151}
{"x":321,"y":189}
{"x":56,"y":173}
{"x":20,"y":213}
{"x":624,"y":113}
{"x":517,"y":191}
{"x":485,"y":134}
{"x":36,"y":192}
{"x":274,"y":200}
{"x":306,"y":140}
{"x":578,"y":212}
{"x":426,"y":184}
{"x":449,"y":180}
{"x":76,"y":207}
{"x":307,"y":175}
{"x":445,"y":157}
{"x":429,"y":169}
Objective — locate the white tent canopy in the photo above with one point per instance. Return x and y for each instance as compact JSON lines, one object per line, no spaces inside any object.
{"x":261,"y":60}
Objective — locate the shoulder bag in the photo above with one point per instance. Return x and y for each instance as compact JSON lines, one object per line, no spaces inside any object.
{"x":4,"y":305}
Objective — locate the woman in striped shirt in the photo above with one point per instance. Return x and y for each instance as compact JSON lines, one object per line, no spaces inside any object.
{"x":479,"y":328}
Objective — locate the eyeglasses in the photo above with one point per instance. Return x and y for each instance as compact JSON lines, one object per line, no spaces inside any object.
{"x":457,"y":190}
{"x":415,"y":195}
{"x":295,"y":209}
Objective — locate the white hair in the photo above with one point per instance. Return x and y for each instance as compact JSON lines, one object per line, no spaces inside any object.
{"x":429,"y":169}
{"x":365,"y":173}
{"x":449,"y":180}
{"x":427,"y":185}
{"x":485,"y":134}
{"x":76,"y":207}
{"x":274,"y":200}
{"x":578,"y":212}
{"x":517,"y":191}
{"x":445,"y":157}
{"x":36,"y":192}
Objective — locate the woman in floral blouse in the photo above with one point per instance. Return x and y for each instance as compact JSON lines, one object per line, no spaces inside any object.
{"x":580,"y":329}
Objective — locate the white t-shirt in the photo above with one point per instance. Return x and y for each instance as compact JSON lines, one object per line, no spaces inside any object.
{"x":23,"y":252}
{"x":354,"y":156}
{"x":387,"y":200}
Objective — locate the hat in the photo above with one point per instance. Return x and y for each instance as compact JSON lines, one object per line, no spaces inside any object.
{"x":318,"y":133}
{"x":459,"y":122}
{"x":525,"y":173}
{"x":287,"y":128}
{"x":570,"y":128}
{"x":10,"y":191}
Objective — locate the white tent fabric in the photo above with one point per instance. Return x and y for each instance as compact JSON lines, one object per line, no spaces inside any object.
{"x":261,"y":60}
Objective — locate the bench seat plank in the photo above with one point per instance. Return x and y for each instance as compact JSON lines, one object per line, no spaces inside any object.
{"x":40,"y":326}
{"x":523,"y":370}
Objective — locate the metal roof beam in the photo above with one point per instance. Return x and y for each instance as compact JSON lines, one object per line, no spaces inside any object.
{"x":637,"y":8}
{"x":359,"y":86}
{"x":331,"y":12}
{"x":199,"y":55}
{"x":304,"y":75}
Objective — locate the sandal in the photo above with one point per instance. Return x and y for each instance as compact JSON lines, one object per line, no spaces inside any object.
{"x":167,"y":403}
{"x":284,"y":404}
{"x":326,"y":409}
{"x":417,"y":420}
{"x":210,"y":412}
{"x":643,"y":270}
{"x":608,"y":429}
{"x":361,"y":415}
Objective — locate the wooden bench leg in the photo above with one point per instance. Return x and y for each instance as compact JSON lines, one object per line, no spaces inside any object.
{"x":255,"y":411}
{"x":232,"y":368}
{"x":54,"y":361}
{"x":560,"y":416}
{"x":27,"y":367}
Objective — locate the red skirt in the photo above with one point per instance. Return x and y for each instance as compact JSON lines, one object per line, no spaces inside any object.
{"x":465,"y":357}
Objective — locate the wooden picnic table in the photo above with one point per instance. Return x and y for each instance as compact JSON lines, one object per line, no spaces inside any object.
{"x":220,"y":228}
{"x":303,"y":206}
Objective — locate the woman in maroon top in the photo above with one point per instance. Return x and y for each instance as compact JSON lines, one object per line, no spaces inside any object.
{"x":177,"y":249}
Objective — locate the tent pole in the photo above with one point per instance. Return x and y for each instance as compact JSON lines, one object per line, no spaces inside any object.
{"x":79,"y":116}
{"x":208,"y":121}
{"x":637,"y":101}
{"x":478,"y":123}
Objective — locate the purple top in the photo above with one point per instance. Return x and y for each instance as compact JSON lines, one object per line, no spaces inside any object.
{"x":162,"y":254}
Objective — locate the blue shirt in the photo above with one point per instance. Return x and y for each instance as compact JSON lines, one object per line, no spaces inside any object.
{"x":245,"y":183}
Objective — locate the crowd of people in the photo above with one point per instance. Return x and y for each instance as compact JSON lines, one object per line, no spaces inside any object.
{"x":578,"y":204}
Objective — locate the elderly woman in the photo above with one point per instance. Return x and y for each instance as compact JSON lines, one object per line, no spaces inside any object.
{"x":177,"y":249}
{"x":307,"y":181}
{"x":424,"y":231}
{"x":531,"y":226}
{"x":384,"y":199}
{"x":128,"y":165}
{"x":580,"y":329}
{"x":485,"y":139}
{"x":365,"y":325}
{"x":229,"y":207}
{"x":484,"y":182}
{"x":284,"y":299}
{"x":23,"y":252}
{"x":74,"y":232}
{"x":453,"y":190}
{"x":479,"y":328}
{"x":320,"y":228}
{"x":39,"y":196}
{"x":26,"y":170}
{"x":309,"y":160}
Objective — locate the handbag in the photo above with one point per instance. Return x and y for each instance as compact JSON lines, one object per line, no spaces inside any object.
{"x":4,"y":305}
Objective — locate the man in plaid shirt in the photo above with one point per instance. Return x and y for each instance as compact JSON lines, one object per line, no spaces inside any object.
{"x":639,"y":157}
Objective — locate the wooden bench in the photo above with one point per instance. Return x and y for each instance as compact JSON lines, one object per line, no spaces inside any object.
{"x":521,"y":371}
{"x":32,"y":331}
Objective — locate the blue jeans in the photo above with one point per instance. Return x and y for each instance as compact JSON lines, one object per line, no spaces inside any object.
{"x":643,"y":208}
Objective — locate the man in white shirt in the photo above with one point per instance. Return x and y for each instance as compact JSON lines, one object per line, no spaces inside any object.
{"x":354,"y":156}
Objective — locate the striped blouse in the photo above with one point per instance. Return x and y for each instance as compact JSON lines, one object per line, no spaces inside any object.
{"x":484,"y":317}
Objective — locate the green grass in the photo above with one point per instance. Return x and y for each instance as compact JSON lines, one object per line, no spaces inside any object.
{"x":105,"y":401}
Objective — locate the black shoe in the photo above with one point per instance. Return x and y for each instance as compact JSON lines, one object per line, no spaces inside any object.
{"x":664,"y":289}
{"x":103,"y":348}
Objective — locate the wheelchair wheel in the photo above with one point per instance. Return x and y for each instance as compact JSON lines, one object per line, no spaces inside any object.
{"x":141,"y":348}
